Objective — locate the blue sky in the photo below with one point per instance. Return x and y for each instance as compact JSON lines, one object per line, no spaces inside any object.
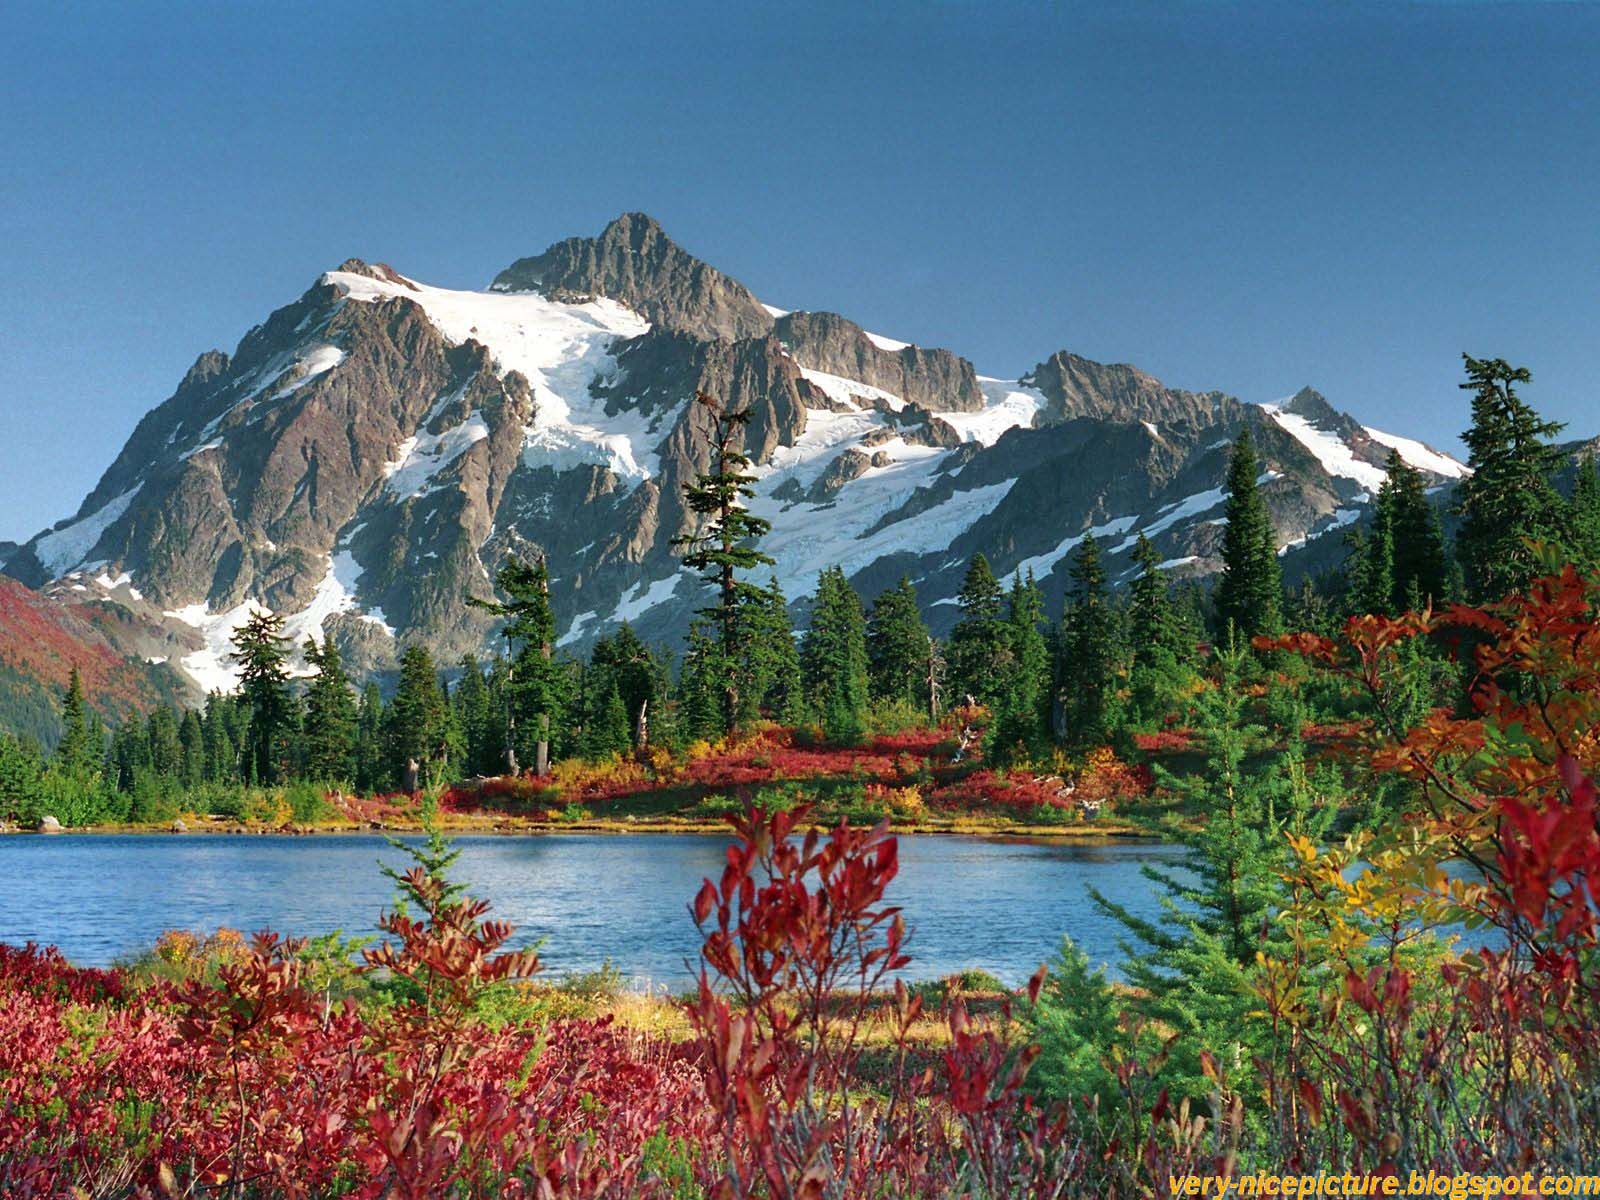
{"x":1239,"y":197}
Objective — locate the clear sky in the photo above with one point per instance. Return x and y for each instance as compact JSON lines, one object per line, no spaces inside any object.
{"x":1238,"y":197}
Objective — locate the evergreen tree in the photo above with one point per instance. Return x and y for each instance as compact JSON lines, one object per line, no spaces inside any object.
{"x":259,"y":650}
{"x":192,"y":738}
{"x":1090,"y":651}
{"x":1372,"y":574}
{"x":1249,"y":594}
{"x":538,"y":685}
{"x":898,"y":647}
{"x":700,"y":689}
{"x":1191,"y":970}
{"x":1419,"y":566}
{"x":330,"y":721}
{"x":1508,"y":499}
{"x":417,"y":726}
{"x":482,"y":730}
{"x":222,"y":751}
{"x":1021,"y":723}
{"x":769,"y":660}
{"x":1585,"y":535}
{"x":372,"y":770}
{"x":1156,"y":628}
{"x":1162,"y":643}
{"x":725,"y":545}
{"x":833,"y":659}
{"x":978,"y":659}
{"x":77,"y":752}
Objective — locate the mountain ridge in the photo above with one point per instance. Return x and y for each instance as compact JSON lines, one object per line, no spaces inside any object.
{"x":368,"y":454}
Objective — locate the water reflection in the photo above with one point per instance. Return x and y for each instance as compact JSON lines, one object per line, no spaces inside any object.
{"x":997,"y":904}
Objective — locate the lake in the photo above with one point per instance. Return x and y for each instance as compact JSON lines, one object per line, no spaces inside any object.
{"x":996,"y":904}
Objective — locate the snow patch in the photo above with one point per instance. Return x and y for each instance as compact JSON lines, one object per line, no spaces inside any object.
{"x":561,"y":349}
{"x":1008,"y":405}
{"x":1420,"y":455}
{"x":845,"y":391}
{"x":883,"y":343}
{"x":1336,"y":458}
{"x":70,"y":545}
{"x":424,"y":455}
{"x":1042,"y":564}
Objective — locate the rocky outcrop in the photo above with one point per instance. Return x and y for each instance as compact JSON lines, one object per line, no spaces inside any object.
{"x":1079,"y":387}
{"x":635,"y":263}
{"x":937,"y":380}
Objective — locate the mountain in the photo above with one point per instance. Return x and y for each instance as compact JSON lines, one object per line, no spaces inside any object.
{"x":43,"y":637}
{"x":369,"y":454}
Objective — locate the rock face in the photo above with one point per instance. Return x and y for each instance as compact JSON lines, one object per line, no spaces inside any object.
{"x":1078,"y":387}
{"x":368,"y":456}
{"x":635,"y":263}
{"x":936,"y":380}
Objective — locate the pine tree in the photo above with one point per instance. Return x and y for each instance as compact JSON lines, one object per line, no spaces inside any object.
{"x":192,"y":737}
{"x":769,"y":661}
{"x":260,"y":651}
{"x":481,"y":727}
{"x":1585,"y":536}
{"x":372,"y":771}
{"x":330,"y":722}
{"x":417,"y":728}
{"x":978,"y":658}
{"x":833,"y":659}
{"x":77,"y":751}
{"x":1156,"y":628}
{"x":1419,"y":566}
{"x":1190,"y":971}
{"x":898,"y":647}
{"x":1090,"y":651}
{"x":222,"y":751}
{"x":1161,"y":642}
{"x":1508,"y":499}
{"x":1021,"y":724}
{"x":725,"y":546}
{"x":1372,"y":569}
{"x":700,"y":688}
{"x":1249,"y":594}
{"x":538,"y":685}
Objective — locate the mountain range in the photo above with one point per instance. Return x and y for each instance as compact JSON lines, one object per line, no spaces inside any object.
{"x":368,"y":455}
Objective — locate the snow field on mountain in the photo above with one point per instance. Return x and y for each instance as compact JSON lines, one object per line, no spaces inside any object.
{"x":560,"y":349}
{"x":1418,"y":455}
{"x":1337,"y":459}
{"x":64,"y":549}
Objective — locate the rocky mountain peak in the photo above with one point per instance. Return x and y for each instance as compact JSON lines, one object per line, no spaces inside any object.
{"x":634,"y":262}
{"x":1314,"y":407}
{"x":1079,"y":387}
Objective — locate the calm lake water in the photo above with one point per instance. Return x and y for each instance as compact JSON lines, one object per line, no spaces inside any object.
{"x":996,"y":904}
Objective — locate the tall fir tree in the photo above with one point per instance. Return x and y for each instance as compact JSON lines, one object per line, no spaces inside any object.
{"x":1249,"y":594}
{"x":1089,"y":651}
{"x":833,"y":659}
{"x":700,"y":690}
{"x":769,"y":661}
{"x":372,"y":759}
{"x":978,"y":658}
{"x":417,"y":728}
{"x":537,"y":687}
{"x":1421,"y":566}
{"x":77,"y":751}
{"x":725,"y":544}
{"x":1508,"y":500}
{"x":898,"y":647}
{"x":1021,"y":725}
{"x":1585,"y":525}
{"x":1191,"y":969}
{"x":261,"y":652}
{"x":1156,"y":628}
{"x":330,"y":721}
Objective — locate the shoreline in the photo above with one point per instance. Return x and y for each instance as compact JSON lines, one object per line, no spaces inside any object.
{"x":618,"y":827}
